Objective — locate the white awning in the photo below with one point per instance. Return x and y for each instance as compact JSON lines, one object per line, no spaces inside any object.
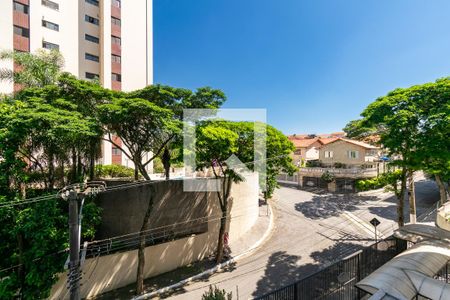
{"x":426,"y":258}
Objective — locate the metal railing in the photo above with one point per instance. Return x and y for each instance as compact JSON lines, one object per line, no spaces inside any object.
{"x":338,"y":280}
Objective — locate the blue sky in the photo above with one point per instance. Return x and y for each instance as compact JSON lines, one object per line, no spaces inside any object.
{"x":314,"y":65}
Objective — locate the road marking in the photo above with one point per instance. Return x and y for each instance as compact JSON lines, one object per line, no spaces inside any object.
{"x":364,"y":225}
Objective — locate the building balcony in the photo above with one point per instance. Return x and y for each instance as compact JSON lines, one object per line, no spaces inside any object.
{"x":355,"y":172}
{"x":116,"y":85}
{"x":115,"y":11}
{"x":116,"y":67}
{"x":115,"y":30}
{"x":21,"y":43}
{"x":21,"y":19}
{"x":116,"y":49}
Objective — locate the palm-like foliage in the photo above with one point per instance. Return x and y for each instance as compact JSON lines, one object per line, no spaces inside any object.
{"x":34,"y":70}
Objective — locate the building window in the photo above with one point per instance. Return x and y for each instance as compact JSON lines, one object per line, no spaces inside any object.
{"x":50,"y":4}
{"x":91,"y":38}
{"x":91,"y":76}
{"x":116,"y":40}
{"x":116,"y":77}
{"x":116,"y":151}
{"x":115,"y":21}
{"x":92,"y":57}
{"x":50,"y":46}
{"x":116,"y":3}
{"x":50,"y":25}
{"x":91,"y":20}
{"x":25,"y":32}
{"x":353,"y":154}
{"x":116,"y":58}
{"x":328,"y":154}
{"x":93,"y":2}
{"x":21,"y":7}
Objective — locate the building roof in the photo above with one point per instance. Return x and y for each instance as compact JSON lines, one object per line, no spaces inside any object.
{"x":358,"y":143}
{"x":305,"y":143}
{"x":328,"y":140}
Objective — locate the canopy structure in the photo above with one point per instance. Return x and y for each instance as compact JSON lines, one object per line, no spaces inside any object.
{"x":410,"y":273}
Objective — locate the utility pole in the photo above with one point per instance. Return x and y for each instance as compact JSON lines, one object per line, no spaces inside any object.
{"x":74,"y":193}
{"x":74,"y":238}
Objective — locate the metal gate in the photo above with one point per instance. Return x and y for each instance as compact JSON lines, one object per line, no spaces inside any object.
{"x":345,"y":185}
{"x":314,"y":182}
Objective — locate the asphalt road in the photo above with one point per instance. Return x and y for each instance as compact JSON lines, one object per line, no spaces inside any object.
{"x":311,"y":231}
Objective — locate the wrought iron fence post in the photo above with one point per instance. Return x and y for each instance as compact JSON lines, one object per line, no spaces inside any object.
{"x":296,"y":296}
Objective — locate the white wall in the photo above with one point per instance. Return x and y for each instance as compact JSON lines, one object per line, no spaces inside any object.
{"x":137,"y":44}
{"x":105,"y":43}
{"x":109,"y":272}
{"x":6,"y":40}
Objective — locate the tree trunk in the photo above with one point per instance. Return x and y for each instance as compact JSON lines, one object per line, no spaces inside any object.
{"x":74,"y":166}
{"x":92,"y":165}
{"x":223,"y":221}
{"x":220,"y":242}
{"x":79,"y":168}
{"x":412,"y":199}
{"x":51,"y":172}
{"x":142,"y":170}
{"x":166,"y":162}
{"x":21,"y":270}
{"x":442,"y":190}
{"x":141,"y":253}
{"x":401,"y":199}
{"x":136,"y":172}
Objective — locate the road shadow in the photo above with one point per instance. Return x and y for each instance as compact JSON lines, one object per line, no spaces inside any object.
{"x":283,"y":269}
{"x":331,"y":205}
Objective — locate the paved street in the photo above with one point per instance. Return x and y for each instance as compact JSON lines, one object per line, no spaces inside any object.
{"x":311,"y":231}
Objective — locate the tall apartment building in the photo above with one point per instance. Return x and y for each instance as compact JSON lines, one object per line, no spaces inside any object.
{"x":106,"y":39}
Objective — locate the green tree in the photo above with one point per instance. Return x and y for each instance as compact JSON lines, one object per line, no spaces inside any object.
{"x":278,"y":152}
{"x":217,"y":141}
{"x":142,"y":126}
{"x":177,"y":99}
{"x":413,"y":126}
{"x":34,"y":70}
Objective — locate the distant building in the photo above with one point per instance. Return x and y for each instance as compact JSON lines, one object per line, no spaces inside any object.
{"x":110,"y":40}
{"x":346,"y":159}
{"x":348,"y":153}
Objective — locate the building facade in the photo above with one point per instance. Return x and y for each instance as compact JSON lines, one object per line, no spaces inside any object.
{"x":110,"y":40}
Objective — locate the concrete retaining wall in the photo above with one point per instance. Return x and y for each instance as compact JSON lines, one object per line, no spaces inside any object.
{"x":123,"y":212}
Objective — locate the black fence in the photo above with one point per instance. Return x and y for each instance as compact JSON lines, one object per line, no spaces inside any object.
{"x":338,"y":280}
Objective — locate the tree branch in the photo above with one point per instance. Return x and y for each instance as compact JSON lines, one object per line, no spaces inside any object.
{"x":109,"y":139}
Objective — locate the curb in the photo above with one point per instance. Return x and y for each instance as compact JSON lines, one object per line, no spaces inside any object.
{"x":216,"y":268}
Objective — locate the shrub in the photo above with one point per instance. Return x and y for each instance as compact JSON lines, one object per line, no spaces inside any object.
{"x":158,"y":166}
{"x":113,"y":171}
{"x":374,"y":183}
{"x":339,"y":165}
{"x":327,"y":177}
{"x":313,"y":163}
{"x":216,"y":294}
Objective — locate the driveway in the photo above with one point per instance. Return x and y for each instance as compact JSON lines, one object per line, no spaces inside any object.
{"x":311,"y":231}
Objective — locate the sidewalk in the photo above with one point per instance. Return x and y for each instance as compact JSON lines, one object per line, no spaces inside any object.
{"x":251,"y":237}
{"x":176,"y":279}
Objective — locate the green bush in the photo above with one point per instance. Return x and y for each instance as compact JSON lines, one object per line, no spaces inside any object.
{"x":158,"y":166}
{"x":313,"y":163}
{"x":113,"y":171}
{"x":339,"y":165}
{"x":374,"y":183}
{"x":216,"y":294}
{"x":328,"y":177}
